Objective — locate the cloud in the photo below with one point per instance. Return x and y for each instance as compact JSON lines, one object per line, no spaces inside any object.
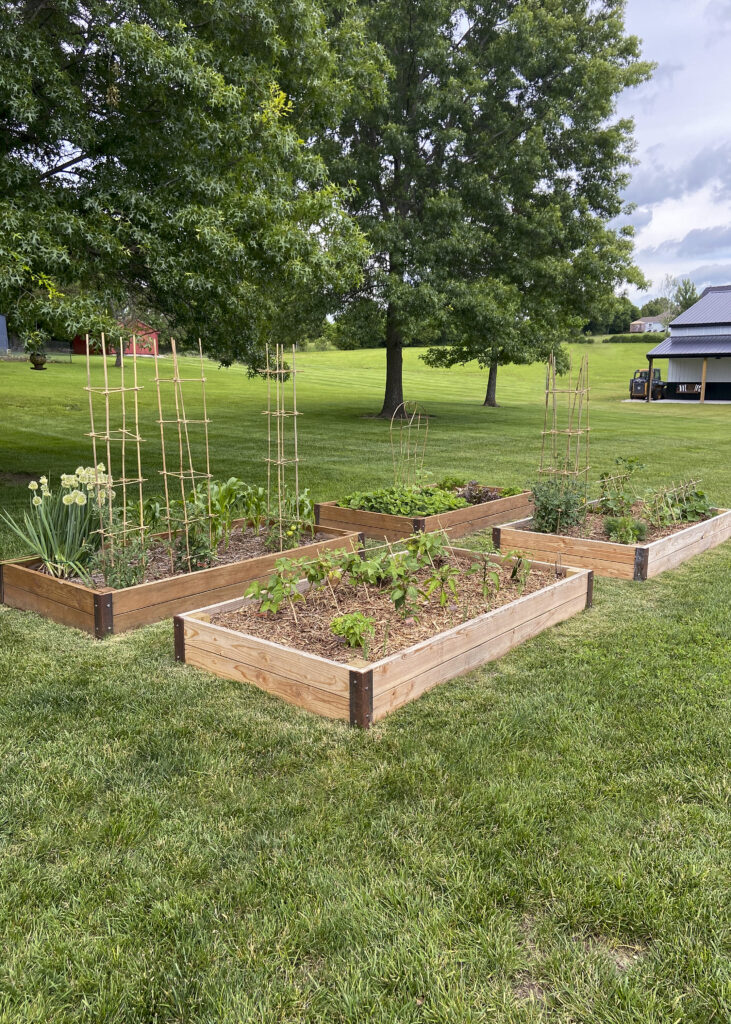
{"x":698,"y":242}
{"x":711,"y":273}
{"x":718,"y":12}
{"x":655,"y":181}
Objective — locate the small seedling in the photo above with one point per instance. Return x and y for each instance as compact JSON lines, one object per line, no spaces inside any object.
{"x":355,"y":628}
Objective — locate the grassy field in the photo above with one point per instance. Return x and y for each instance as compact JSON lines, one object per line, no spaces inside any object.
{"x":545,"y":839}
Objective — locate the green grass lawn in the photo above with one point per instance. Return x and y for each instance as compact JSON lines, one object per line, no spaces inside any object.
{"x":545,"y":839}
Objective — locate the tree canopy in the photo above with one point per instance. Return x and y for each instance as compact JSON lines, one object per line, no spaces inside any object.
{"x":486,"y":177}
{"x":153,"y":160}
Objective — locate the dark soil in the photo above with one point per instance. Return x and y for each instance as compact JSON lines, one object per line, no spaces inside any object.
{"x":305,"y":625}
{"x":592,"y":528}
{"x":244,"y":544}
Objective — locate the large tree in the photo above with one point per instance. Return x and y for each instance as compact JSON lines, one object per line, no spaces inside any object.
{"x":153,"y":158}
{"x":486,"y":177}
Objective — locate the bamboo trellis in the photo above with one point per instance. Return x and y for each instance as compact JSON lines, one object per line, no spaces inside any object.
{"x":278,"y":371}
{"x":408,"y":444}
{"x":565,"y":450}
{"x":181,"y":455}
{"x":128,"y":437}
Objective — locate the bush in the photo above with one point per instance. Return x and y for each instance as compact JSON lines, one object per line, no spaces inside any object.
{"x":641,"y":337}
{"x":559,"y":504}
{"x":405,"y":501}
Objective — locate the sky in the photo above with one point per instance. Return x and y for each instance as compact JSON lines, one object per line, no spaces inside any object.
{"x":682,"y":183}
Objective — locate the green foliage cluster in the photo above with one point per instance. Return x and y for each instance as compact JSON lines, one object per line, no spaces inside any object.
{"x":636,"y":339}
{"x":670,"y":505}
{"x":153,"y":164}
{"x":405,"y":500}
{"x":617,"y":496}
{"x":625,"y":529}
{"x":559,"y":504}
{"x":61,"y":526}
{"x":419,"y":571}
{"x":355,"y":628}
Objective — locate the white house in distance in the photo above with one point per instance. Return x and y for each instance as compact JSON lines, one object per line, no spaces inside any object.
{"x":698,"y":349}
{"x":646,"y":324}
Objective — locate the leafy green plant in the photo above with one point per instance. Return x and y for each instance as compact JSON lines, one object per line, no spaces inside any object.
{"x":443,"y":581}
{"x":451,"y":483}
{"x":355,"y":628}
{"x":426,"y":547}
{"x":404,"y":589}
{"x":670,"y":505}
{"x":124,"y":564}
{"x":489,"y":572}
{"x":405,"y":501}
{"x":61,"y":526}
{"x":282,"y":585}
{"x":521,"y":569}
{"x":196,"y":554}
{"x":616,"y":498}
{"x":625,"y":529}
{"x":559,"y":504}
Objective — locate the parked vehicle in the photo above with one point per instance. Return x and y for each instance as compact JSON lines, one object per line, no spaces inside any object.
{"x":638,"y":385}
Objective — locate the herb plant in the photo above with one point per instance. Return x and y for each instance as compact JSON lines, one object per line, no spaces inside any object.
{"x":625,"y":529}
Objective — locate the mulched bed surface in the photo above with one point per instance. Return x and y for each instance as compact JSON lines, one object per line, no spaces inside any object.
{"x":244,"y":544}
{"x":592,"y":528}
{"x":307,"y":628}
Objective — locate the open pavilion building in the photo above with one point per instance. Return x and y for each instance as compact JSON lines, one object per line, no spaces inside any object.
{"x":698,"y":349}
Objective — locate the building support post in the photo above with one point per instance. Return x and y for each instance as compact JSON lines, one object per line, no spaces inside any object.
{"x":649,"y":380}
{"x":703,"y":378}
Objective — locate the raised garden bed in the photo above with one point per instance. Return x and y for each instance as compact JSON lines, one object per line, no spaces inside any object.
{"x":360,"y":691}
{"x":103,"y":610}
{"x":456,"y":523}
{"x":609,"y":558}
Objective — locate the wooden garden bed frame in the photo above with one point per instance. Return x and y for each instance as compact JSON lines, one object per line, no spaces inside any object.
{"x":103,"y":610}
{"x":457,"y":523}
{"x":364,"y":692}
{"x":607,"y":558}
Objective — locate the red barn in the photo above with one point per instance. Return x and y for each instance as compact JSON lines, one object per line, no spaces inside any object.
{"x":146,"y":338}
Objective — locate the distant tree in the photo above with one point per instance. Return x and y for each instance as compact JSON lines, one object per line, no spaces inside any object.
{"x":653,"y":307}
{"x":686,"y":295}
{"x":486,"y":176}
{"x":616,"y":319}
{"x":152,"y":156}
{"x":360,"y":325}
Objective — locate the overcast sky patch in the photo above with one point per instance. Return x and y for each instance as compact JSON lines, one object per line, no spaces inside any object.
{"x":682,"y":182}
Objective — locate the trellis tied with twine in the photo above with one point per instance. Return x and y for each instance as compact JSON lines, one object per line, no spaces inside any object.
{"x":277,"y":371}
{"x":565,"y":450}
{"x":408,"y":443}
{"x":181,"y":455}
{"x":127,"y":435}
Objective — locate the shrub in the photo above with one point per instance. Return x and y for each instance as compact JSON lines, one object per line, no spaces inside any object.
{"x":559,"y":504}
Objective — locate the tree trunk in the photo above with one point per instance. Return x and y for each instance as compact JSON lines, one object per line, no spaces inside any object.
{"x":491,"y":386}
{"x":118,"y":360}
{"x":394,"y":396}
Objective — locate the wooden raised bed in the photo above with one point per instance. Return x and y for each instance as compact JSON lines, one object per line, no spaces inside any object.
{"x":363,"y":694}
{"x":607,"y":558}
{"x":457,"y":523}
{"x":102,"y":610}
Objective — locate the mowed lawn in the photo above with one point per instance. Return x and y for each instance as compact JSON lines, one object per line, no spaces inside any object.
{"x":545,"y":839}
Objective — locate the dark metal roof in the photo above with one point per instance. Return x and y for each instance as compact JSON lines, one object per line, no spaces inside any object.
{"x":712,"y":308}
{"x":695,"y":345}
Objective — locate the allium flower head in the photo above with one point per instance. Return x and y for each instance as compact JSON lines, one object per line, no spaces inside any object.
{"x":68,"y":499}
{"x":80,"y":497}
{"x":33,"y":486}
{"x":37,"y":500}
{"x":44,"y":481}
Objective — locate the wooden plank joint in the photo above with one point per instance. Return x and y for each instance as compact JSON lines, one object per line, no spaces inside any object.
{"x":179,"y":631}
{"x":103,"y":614}
{"x":361,"y":697}
{"x":496,"y":537}
{"x":419,"y":524}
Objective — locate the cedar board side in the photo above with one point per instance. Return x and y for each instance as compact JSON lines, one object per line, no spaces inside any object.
{"x":457,"y":523}
{"x":618,"y":561}
{"x":320,"y":684}
{"x":73,"y":604}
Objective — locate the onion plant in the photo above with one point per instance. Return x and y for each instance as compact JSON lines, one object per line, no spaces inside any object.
{"x":61,"y":527}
